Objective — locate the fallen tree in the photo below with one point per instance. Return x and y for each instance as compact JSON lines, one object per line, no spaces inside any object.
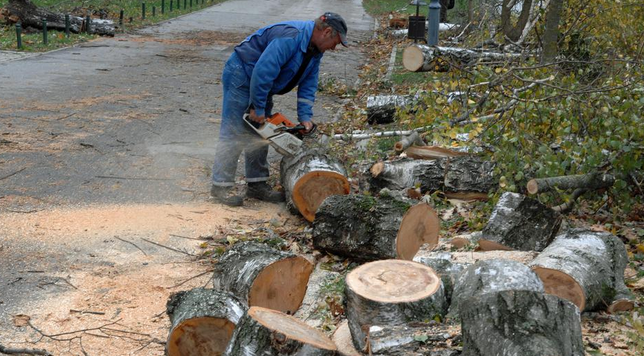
{"x":423,"y":58}
{"x":25,"y":12}
{"x":431,"y":152}
{"x":587,"y":268}
{"x":261,"y":276}
{"x":367,"y":228}
{"x":203,"y":321}
{"x":407,"y":142}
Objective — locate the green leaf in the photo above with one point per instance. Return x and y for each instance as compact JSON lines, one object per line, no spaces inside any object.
{"x":421,"y":338}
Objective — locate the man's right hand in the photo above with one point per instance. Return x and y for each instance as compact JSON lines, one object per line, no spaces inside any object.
{"x":308,"y":125}
{"x":258,"y":119}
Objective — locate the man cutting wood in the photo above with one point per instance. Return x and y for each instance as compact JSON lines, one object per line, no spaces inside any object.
{"x":271,"y":61}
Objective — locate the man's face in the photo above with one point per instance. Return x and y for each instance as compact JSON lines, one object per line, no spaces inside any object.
{"x":329,"y":40}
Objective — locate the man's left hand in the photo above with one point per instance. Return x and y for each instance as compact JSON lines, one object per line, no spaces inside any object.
{"x":308,"y":125}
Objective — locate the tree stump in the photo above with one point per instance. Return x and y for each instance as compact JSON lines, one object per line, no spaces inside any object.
{"x":520,"y":322}
{"x":492,"y":276}
{"x":519,"y":223}
{"x":203,"y":321}
{"x":587,"y":268}
{"x":261,"y":276}
{"x":391,"y":292}
{"x":269,"y":332}
{"x":367,"y":228}
{"x":310,"y":177}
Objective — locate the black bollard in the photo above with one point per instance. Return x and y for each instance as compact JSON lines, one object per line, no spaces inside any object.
{"x":162,"y":7}
{"x":191,"y":4}
{"x":154,"y":11}
{"x":67,"y":25}
{"x":44,"y":32}
{"x":185,"y":4}
{"x":19,"y":34}
{"x":88,"y":24}
{"x":170,"y":5}
{"x":121,"y":18}
{"x":142,"y":11}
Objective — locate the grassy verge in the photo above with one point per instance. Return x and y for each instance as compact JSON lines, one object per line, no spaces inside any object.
{"x":32,"y":39}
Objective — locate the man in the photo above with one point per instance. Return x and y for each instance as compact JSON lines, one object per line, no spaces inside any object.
{"x":272,"y":61}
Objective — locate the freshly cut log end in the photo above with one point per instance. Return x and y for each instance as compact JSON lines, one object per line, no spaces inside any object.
{"x":420,"y":225}
{"x":532,"y":187}
{"x":432,"y":152}
{"x":621,"y":305}
{"x":311,"y":189}
{"x":487,"y":245}
{"x":342,"y":339}
{"x":265,"y":331}
{"x":203,"y":321}
{"x":413,"y":59}
{"x":562,"y":285}
{"x":376,"y":169}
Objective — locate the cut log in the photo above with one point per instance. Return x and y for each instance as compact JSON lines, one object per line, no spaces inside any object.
{"x":30,"y":15}
{"x":423,"y":58}
{"x":519,"y":223}
{"x":448,"y":271}
{"x":520,"y":322}
{"x":342,"y":339}
{"x":310,"y":177}
{"x":432,"y":152}
{"x":389,"y":293}
{"x":381,"y":109}
{"x":587,"y":268}
{"x":468,"y":178}
{"x":269,"y":332}
{"x":407,"y":141}
{"x":367,"y":228}
{"x":492,"y":276}
{"x":462,"y":241}
{"x":261,"y":276}
{"x":590,"y":181}
{"x":203,"y":321}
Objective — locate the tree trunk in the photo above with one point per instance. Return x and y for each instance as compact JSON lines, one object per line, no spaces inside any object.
{"x":513,"y":32}
{"x":491,"y":277}
{"x":261,"y":276}
{"x":381,"y":109}
{"x":590,"y":181}
{"x":468,"y":178}
{"x":389,"y":293}
{"x":423,"y":58}
{"x":432,"y":152}
{"x":520,"y":223}
{"x":269,"y":332}
{"x":407,"y":141}
{"x":448,"y":271}
{"x":30,"y":15}
{"x":520,"y":322}
{"x":203,"y":321}
{"x":366,"y":228}
{"x":551,"y":32}
{"x":587,"y":268}
{"x":310,"y":177}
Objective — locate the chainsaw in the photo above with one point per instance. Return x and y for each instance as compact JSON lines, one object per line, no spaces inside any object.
{"x":282,"y":134}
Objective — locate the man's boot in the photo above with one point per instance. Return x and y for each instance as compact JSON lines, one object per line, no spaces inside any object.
{"x":263,"y":191}
{"x":223,"y":195}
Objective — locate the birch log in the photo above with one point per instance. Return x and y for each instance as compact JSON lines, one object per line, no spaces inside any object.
{"x":520,"y":322}
{"x":310,"y":177}
{"x":423,"y":58}
{"x":203,"y":321}
{"x":407,"y":141}
{"x":269,"y":332}
{"x":590,"y":181}
{"x":389,"y":293}
{"x":587,"y":268}
{"x":448,"y":271}
{"x":519,"y":223}
{"x":261,"y":276}
{"x":381,"y":109}
{"x":432,"y":152}
{"x":367,"y":228}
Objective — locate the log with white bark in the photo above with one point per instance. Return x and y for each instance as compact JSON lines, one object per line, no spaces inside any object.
{"x":203,"y":321}
{"x":492,"y":276}
{"x":381,"y":109}
{"x":407,"y":141}
{"x":269,"y":332}
{"x":520,"y":322}
{"x":468,"y":178}
{"x":590,"y":181}
{"x":310,"y":177}
{"x":30,"y":15}
{"x":423,"y":58}
{"x":261,"y":276}
{"x":587,"y":268}
{"x":390,"y":293}
{"x":368,"y":228}
{"x":519,"y":223}
{"x":432,"y":152}
{"x":448,"y":271}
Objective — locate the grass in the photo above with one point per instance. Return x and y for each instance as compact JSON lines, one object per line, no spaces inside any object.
{"x":379,"y":7}
{"x":32,"y":39}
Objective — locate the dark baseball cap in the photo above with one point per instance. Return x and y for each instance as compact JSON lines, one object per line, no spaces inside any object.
{"x":337,"y":23}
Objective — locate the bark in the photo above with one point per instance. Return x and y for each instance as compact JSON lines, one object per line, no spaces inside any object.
{"x":590,"y":181}
{"x":551,"y":31}
{"x":403,"y":340}
{"x":407,"y":141}
{"x":521,"y":322}
{"x":448,"y":271}
{"x":587,"y":268}
{"x":432,"y":152}
{"x":381,"y":109}
{"x":30,"y":15}
{"x":491,"y":277}
{"x":367,"y":228}
{"x":261,"y":276}
{"x":269,"y":332}
{"x":520,"y":223}
{"x":467,"y":177}
{"x":310,"y":177}
{"x":513,"y":32}
{"x":390,"y":293}
{"x":423,"y":58}
{"x":202,"y":321}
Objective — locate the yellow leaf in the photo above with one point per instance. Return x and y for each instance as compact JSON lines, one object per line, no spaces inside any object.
{"x":470,"y":102}
{"x":640,"y":247}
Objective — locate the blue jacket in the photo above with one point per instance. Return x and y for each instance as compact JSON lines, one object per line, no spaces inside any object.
{"x":272,"y":56}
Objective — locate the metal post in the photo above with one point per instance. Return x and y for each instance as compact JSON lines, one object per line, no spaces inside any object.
{"x":67,"y":25}
{"x":121,"y":18}
{"x":88,"y":23}
{"x":19,"y":34}
{"x":154,"y":11}
{"x":44,"y":32}
{"x":162,"y":7}
{"x":434,"y":22}
{"x":143,"y":11}
{"x":170,"y":5}
{"x":191,"y":4}
{"x":185,"y":4}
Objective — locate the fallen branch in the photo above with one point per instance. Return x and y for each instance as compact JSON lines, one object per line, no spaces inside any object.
{"x":413,"y":139}
{"x":16,"y":351}
{"x":13,"y":174}
{"x":168,"y":247}
{"x":191,"y":278}
{"x":131,"y":243}
{"x":590,"y":181}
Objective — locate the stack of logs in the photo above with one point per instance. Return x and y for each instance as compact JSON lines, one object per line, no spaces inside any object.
{"x":396,"y":299}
